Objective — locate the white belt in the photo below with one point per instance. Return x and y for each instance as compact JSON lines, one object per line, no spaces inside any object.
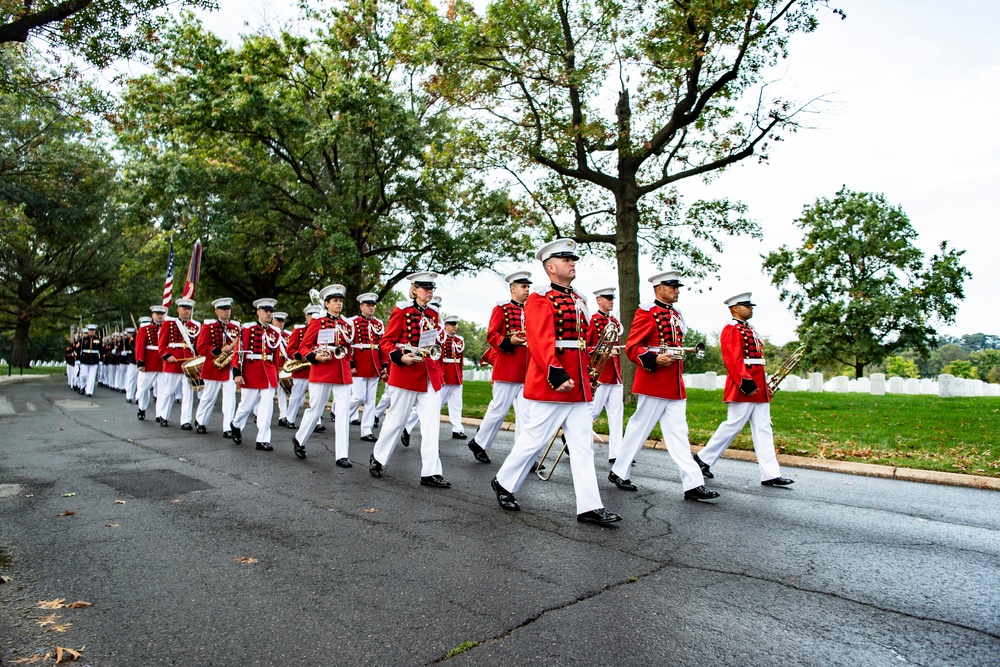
{"x":653,"y":349}
{"x":91,"y":351}
{"x":263,"y":357}
{"x":177,"y":345}
{"x":451,"y":361}
{"x":152,"y":347}
{"x":570,"y":344}
{"x":753,"y":362}
{"x":364,"y":346}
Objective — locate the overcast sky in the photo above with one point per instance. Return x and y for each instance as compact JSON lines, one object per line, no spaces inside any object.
{"x":913,"y":89}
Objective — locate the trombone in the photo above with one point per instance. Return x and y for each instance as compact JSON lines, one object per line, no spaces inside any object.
{"x":539,"y":468}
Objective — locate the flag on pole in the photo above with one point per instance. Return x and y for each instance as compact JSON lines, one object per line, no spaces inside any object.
{"x":194,"y":271}
{"x":168,"y":286}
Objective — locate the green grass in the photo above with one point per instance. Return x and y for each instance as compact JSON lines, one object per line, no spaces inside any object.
{"x":37,"y":370}
{"x":926,"y":432}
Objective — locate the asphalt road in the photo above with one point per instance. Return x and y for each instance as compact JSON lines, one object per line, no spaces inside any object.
{"x":835,"y":570}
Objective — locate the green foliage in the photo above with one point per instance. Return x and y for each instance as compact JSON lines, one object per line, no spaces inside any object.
{"x":860,"y":286}
{"x":475,"y":339}
{"x":961,"y":369}
{"x":987,"y":363}
{"x":305,"y":161}
{"x":901,"y":367}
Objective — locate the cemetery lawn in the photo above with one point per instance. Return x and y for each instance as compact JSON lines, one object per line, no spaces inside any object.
{"x":959,"y":435}
{"x":34,"y":370}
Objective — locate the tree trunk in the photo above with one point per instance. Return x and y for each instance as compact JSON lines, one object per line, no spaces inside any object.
{"x":627,"y":256}
{"x":19,"y":356}
{"x":859,"y":370}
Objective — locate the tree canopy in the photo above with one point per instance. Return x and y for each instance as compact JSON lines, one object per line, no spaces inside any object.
{"x":860,"y":286}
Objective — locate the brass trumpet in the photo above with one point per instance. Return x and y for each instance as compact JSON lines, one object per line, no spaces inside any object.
{"x":432,"y":352}
{"x":698,"y":351}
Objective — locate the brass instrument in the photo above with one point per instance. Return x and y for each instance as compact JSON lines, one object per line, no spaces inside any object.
{"x":786,"y":368}
{"x":285,"y":381}
{"x":432,"y":352}
{"x":698,"y":351}
{"x":292,"y":365}
{"x":539,"y":468}
{"x":606,"y":345}
{"x":226,"y":354}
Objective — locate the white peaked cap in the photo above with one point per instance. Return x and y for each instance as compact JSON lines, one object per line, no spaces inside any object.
{"x":189,"y":303}
{"x":265,"y":303}
{"x":742,"y":297}
{"x":518,"y":277}
{"x":332,"y":290}
{"x":558,"y":248}
{"x":221,"y":303}
{"x":368,"y":296}
{"x":606,"y":291}
{"x":672,"y":278}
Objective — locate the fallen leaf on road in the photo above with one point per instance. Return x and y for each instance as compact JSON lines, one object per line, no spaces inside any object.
{"x":58,"y":603}
{"x":119,"y":502}
{"x":371,"y":510}
{"x":63,"y":653}
{"x":31,"y":659}
{"x":129,"y":440}
{"x":248,"y":561}
{"x":176,"y":500}
{"x":47,"y":620}
{"x":30,"y":495}
{"x":67,"y":513}
{"x":58,"y":628}
{"x":4,"y":580}
{"x":80,"y":604}
{"x":111,"y":525}
{"x":68,"y":495}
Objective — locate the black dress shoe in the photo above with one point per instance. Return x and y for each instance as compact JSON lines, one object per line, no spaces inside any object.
{"x":455,"y":435}
{"x":405,"y":439}
{"x":536,"y":466}
{"x":706,"y":470}
{"x":237,"y":434}
{"x":600,"y":515}
{"x":376,"y":421}
{"x":264,"y":447}
{"x":479,"y":452}
{"x":623,"y":484}
{"x":437,"y":481}
{"x":292,"y":425}
{"x":320,"y":428}
{"x":700,"y":493}
{"x":159,"y":419}
{"x":505,"y":497}
{"x":344,"y":463}
{"x":282,"y":422}
{"x":374,"y":467}
{"x":355,"y":422}
{"x":141,"y":415}
{"x":369,"y":438}
{"x":300,"y":451}
{"x":778,"y":481}
{"x":164,"y":423}
{"x":227,"y":435}
{"x":201,"y":429}
{"x":186,"y":427}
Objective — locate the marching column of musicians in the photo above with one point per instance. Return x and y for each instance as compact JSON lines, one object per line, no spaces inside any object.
{"x":541,"y":342}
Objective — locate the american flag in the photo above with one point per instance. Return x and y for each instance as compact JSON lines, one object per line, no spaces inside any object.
{"x":168,"y":285}
{"x":194,"y":271}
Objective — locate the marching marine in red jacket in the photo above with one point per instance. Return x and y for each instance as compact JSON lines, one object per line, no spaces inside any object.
{"x":176,"y":347}
{"x":452,"y":364}
{"x":254,"y":371}
{"x":217,"y":339}
{"x":278,"y":322}
{"x":747,"y":395}
{"x":557,"y":386}
{"x":609,"y":394}
{"x":299,"y":376}
{"x":415,"y":379}
{"x":659,"y":383}
{"x":509,"y":357}
{"x":147,"y":358}
{"x":369,"y":364}
{"x":326,"y":344}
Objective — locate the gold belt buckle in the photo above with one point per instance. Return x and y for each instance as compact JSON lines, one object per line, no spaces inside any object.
{"x":581,"y":343}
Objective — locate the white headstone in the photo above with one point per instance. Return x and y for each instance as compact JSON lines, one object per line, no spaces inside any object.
{"x":839,"y":384}
{"x":790,"y":383}
{"x":896,"y":385}
{"x":993,"y":390}
{"x":816,"y":382}
{"x":928,"y":386}
{"x":912,"y":386}
{"x":863,"y":385}
{"x":946,"y":385}
{"x":712,"y":381}
{"x":878,"y":384}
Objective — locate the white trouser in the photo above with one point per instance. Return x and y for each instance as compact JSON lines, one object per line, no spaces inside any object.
{"x":145,"y":383}
{"x":673,"y":423}
{"x":451,"y":395}
{"x":544,"y":419}
{"x":414,"y":418}
{"x":318,"y":393}
{"x":282,"y":402}
{"x":610,"y":397}
{"x":296,"y":399}
{"x":363,"y":394}
{"x":70,"y":374}
{"x":759,"y":416}
{"x":505,"y":394}
{"x":76,"y":374}
{"x":384,"y":402}
{"x":131,"y":378}
{"x":249,"y":400}
{"x":428,"y":404}
{"x":208,"y":396}
{"x":169,"y":384}
{"x":120,"y":376}
{"x":88,"y":378}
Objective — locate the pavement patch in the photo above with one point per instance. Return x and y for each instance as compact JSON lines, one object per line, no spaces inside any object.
{"x":70,"y":404}
{"x":152,"y":483}
{"x":10,"y":490}
{"x":6,"y":407}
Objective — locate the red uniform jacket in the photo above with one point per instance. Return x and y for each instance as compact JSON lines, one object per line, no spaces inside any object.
{"x":556,"y":314}
{"x":510,"y":362}
{"x":334,"y":371}
{"x":147,"y":350}
{"x":406,"y":323}
{"x":367,"y":359}
{"x":656,"y":325}
{"x":254,"y":358}
{"x":215,"y":335}
{"x":612,"y":373}
{"x":172,"y":342}
{"x":292,"y":348}
{"x":739,"y":342}
{"x":453,"y":359}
